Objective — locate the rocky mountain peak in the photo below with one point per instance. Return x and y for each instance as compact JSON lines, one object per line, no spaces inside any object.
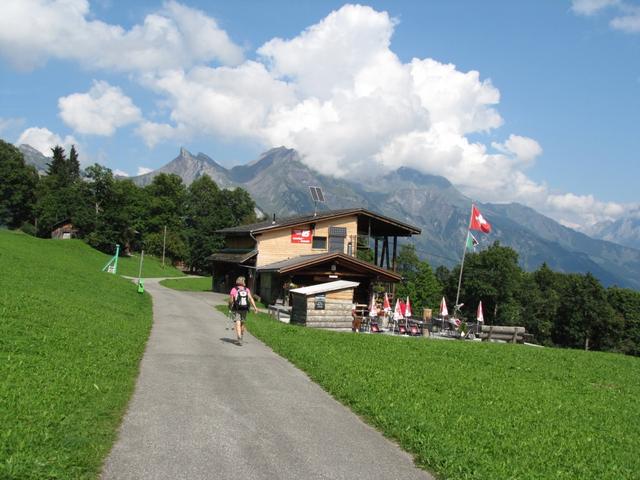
{"x":189,"y":168}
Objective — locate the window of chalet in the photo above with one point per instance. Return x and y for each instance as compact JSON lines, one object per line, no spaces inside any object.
{"x":337,"y":236}
{"x":319,"y":243}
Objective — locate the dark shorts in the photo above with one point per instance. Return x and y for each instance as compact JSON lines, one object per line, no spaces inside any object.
{"x":239,"y":315}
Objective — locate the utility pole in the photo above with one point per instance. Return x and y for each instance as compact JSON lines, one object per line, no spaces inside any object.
{"x":164,"y":244}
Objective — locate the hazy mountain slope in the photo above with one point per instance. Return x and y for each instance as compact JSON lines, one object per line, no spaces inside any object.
{"x":35,"y":158}
{"x":621,"y":261}
{"x":625,"y":231}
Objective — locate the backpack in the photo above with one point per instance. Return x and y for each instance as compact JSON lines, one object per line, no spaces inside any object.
{"x":241,"y":300}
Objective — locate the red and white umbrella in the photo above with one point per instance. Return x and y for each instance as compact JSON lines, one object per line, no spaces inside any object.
{"x":443,"y":308}
{"x":479,"y":315}
{"x":397,"y":311}
{"x":407,"y":309}
{"x":373,"y":309}
{"x":386,"y":306}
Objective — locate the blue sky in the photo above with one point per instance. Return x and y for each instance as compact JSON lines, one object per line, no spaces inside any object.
{"x":536,"y":102}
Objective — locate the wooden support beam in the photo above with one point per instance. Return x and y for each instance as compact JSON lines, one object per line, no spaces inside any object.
{"x":386,"y":241}
{"x":375,"y":253}
{"x":395,"y":249}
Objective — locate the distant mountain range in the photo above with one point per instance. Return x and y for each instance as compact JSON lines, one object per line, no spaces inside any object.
{"x":278,"y":181}
{"x":625,"y":231}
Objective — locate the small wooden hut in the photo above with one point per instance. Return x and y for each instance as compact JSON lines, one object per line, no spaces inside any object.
{"x":63,"y":230}
{"x":326,"y":305}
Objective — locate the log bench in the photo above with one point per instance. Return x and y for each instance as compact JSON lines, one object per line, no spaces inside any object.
{"x":503,"y":332}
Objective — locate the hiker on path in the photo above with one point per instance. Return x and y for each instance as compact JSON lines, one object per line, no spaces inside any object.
{"x":239,"y":300}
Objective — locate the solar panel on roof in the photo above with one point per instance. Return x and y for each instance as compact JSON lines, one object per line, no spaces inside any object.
{"x":316,"y":194}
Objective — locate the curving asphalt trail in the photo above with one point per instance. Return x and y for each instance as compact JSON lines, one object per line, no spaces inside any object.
{"x":205,"y":408}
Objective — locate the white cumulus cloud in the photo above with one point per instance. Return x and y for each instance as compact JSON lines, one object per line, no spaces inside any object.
{"x":523,"y":148}
{"x":153,"y":133}
{"x":582,"y":211}
{"x":589,"y":7}
{"x":143,"y":170}
{"x":33,"y":31}
{"x":629,"y":21}
{"x":120,"y":173}
{"x":43,"y":140}
{"x":626,"y":16}
{"x":100,"y":111}
{"x":342,"y":97}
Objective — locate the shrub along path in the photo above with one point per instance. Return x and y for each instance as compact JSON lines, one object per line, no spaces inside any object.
{"x":206,"y":408}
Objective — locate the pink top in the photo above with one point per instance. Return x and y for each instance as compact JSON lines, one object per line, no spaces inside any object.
{"x":234,"y":291}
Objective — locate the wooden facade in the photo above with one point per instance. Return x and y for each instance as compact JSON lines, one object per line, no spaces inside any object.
{"x":276,"y":245}
{"x":328,"y":306}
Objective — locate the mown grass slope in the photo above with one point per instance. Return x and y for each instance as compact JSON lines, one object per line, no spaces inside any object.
{"x":71,"y":338}
{"x":477,"y":410}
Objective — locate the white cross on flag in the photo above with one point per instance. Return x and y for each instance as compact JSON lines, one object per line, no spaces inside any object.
{"x":478,"y":222}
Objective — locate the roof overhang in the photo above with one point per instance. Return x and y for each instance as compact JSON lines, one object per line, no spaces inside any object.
{"x":380,"y":225}
{"x":232,"y":256}
{"x":298,"y":264}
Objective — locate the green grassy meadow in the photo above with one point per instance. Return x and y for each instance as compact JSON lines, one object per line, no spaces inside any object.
{"x":469,"y":410}
{"x":202,"y":284}
{"x":71,"y":338}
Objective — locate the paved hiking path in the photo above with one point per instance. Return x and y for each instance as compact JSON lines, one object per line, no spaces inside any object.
{"x":206,"y":408}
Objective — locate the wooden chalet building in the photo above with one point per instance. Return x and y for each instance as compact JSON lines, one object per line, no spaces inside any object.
{"x":310,"y":249}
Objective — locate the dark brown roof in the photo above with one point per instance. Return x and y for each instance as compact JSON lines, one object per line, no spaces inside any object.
{"x":303,"y":261}
{"x":380,"y":221}
{"x":232,"y":256}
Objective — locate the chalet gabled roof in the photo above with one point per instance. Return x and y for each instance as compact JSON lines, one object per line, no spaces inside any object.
{"x":403,"y":229}
{"x":303,"y":261}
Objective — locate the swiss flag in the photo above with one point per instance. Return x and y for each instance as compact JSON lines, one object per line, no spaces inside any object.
{"x":478,"y":222}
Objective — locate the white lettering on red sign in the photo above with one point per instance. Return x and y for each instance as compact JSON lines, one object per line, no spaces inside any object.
{"x":299,"y":235}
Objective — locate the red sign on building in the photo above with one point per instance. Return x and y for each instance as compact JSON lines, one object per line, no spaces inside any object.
{"x":299,"y":235}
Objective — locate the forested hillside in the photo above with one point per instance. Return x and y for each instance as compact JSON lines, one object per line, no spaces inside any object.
{"x":107,"y":211}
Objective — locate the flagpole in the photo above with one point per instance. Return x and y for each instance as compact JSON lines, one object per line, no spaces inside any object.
{"x":464,"y":252}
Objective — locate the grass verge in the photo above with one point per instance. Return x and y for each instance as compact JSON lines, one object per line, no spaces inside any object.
{"x":71,"y":338}
{"x":478,"y":410}
{"x":202,"y":284}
